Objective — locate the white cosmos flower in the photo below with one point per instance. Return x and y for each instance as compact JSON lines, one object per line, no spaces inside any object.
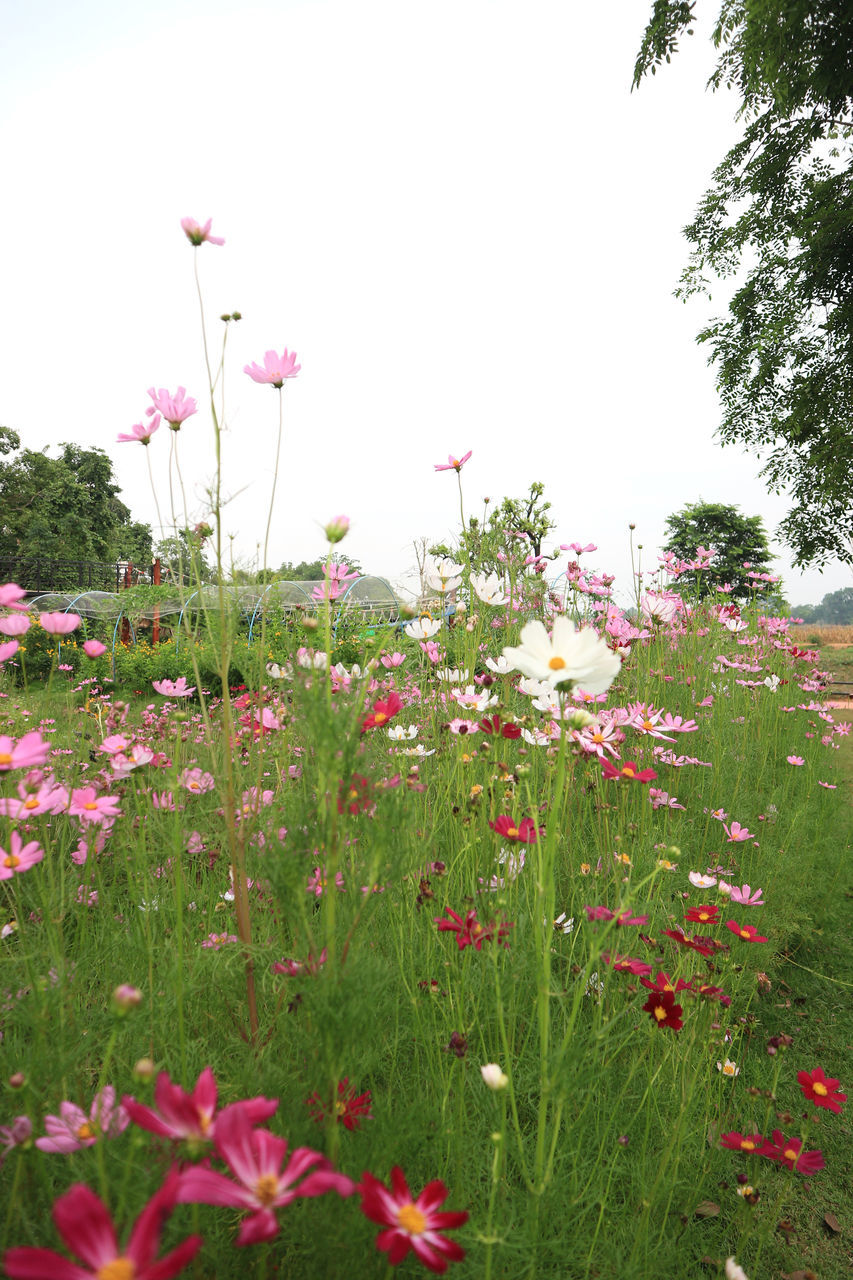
{"x":531,"y":688}
{"x":473,"y":699}
{"x":452,"y":675}
{"x":422,"y":628}
{"x":567,"y":656}
{"x":444,"y":576}
{"x":493,"y":1076}
{"x":488,"y":588}
{"x":499,"y":665}
{"x":701,"y":882}
{"x":402,"y":732}
{"x":734,"y":1271}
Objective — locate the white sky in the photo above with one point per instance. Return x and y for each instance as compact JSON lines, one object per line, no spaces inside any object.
{"x":456,"y":213}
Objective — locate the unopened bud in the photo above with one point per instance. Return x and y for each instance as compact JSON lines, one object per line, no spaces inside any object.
{"x":337,"y":529}
{"x":18,"y":1080}
{"x":144,"y":1069}
{"x":493,"y":1076}
{"x":126,"y":997}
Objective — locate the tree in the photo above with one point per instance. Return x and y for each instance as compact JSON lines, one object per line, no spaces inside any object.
{"x":835,"y":609}
{"x":780,"y":216}
{"x":313,"y":570}
{"x":65,"y":508}
{"x":737,"y":539}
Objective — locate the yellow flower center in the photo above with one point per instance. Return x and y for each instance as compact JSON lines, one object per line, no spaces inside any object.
{"x":598,"y":737}
{"x":266,"y":1189}
{"x":511,"y":832}
{"x":85,"y":1131}
{"x":11,"y":861}
{"x":5,"y":758}
{"x":628,"y":771}
{"x":648,"y":726}
{"x":557,"y":663}
{"x":411,"y":1219}
{"x":744,"y":933}
{"x":660,"y":1012}
{"x":380,"y":717}
{"x":747,"y":1145}
{"x":729,"y":1069}
{"x":118,"y":1269}
{"x":90,"y":804}
{"x":31,"y":802}
{"x":820,"y":1089}
{"x":340,"y":1107}
{"x":352,"y":794}
{"x":790,"y":1154}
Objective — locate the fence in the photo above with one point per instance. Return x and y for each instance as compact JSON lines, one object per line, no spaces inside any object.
{"x":36,"y":574}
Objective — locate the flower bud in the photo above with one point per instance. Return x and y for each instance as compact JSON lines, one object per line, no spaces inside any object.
{"x":494,"y":1077}
{"x":144,"y":1069}
{"x":126,"y":997}
{"x":337,"y":529}
{"x":17,"y":1081}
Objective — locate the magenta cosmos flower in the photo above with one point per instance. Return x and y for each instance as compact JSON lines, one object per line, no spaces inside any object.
{"x":745,"y":931}
{"x":411,"y":1223}
{"x":453,"y":464}
{"x":191,"y":1117}
{"x":85,"y":1225}
{"x":789,"y":1152}
{"x":469,"y":931}
{"x":523,"y":832}
{"x":276,"y":368}
{"x":175,"y":409}
{"x":73,"y":1129}
{"x":20,"y":856}
{"x":141,"y":431}
{"x":197,"y":234}
{"x":255,"y":1158}
{"x":60,"y":624}
{"x":27,"y":753}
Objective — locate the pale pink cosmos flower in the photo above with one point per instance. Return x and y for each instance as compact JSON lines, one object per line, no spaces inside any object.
{"x":197,"y":781}
{"x":746,"y":896}
{"x":35,"y":795}
{"x":736,"y":833}
{"x":453,"y":464}
{"x":73,"y":1129}
{"x":798,"y":760}
{"x":8,"y":650}
{"x":12,"y":596}
{"x":255,"y":1157}
{"x":275,"y":369}
{"x":174,"y":408}
{"x":14,"y":624}
{"x":319,"y":882}
{"x":27,"y":753}
{"x":60,"y":624}
{"x":174,"y":688}
{"x":391,"y":660}
{"x":88,"y":806}
{"x":191,"y":1117}
{"x":141,"y":431}
{"x":700,"y":881}
{"x":93,"y":648}
{"x":197,"y":234}
{"x":14,"y":1135}
{"x":20,"y":856}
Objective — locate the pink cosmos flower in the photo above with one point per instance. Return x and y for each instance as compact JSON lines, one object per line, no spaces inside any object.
{"x":17,"y":1133}
{"x":411,"y":1224}
{"x":469,"y":932}
{"x":507,"y":828}
{"x":174,"y":408}
{"x":16,"y":624}
{"x":12,"y":596}
{"x":736,"y":833}
{"x":745,"y":896}
{"x":798,"y":760}
{"x":197,"y":781}
{"x":174,"y":688}
{"x":141,"y":431}
{"x":20,"y":856}
{"x":84,"y":1223}
{"x":453,"y":464}
{"x":27,"y":753}
{"x":276,"y":368}
{"x":319,"y":882}
{"x":191,"y":1117}
{"x":73,"y":1129}
{"x":390,"y":660}
{"x":93,"y":648}
{"x":255,"y":1158}
{"x":88,"y":806}
{"x":603,"y":913}
{"x":10,"y":648}
{"x":60,"y":624}
{"x":197,"y":234}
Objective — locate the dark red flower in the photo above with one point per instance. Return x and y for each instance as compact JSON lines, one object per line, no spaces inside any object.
{"x":524,"y":831}
{"x":381,"y":712}
{"x":469,"y":932}
{"x":662,"y":1008}
{"x":348,"y":1108}
{"x":789,"y":1152}
{"x":745,"y":931}
{"x":703,"y":915}
{"x":663,"y":982}
{"x":705,"y":946}
{"x":710,"y":992}
{"x":748,"y":1142}
{"x":411,"y":1223}
{"x":821,"y":1089}
{"x":627,"y":770}
{"x":494,"y":724}
{"x":354,"y":796}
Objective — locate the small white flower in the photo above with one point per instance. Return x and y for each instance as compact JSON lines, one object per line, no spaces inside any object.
{"x":488,"y":588}
{"x":444,"y":576}
{"x":499,"y":665}
{"x":701,"y":882}
{"x":422,"y":628}
{"x":419,"y":750}
{"x":772,"y":683}
{"x":452,"y":675}
{"x":728,"y":1068}
{"x":532,"y":688}
{"x":402,"y":732}
{"x":733,"y":1270}
{"x":494,"y":1077}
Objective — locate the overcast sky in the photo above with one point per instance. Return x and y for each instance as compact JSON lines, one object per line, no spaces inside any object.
{"x":456,"y":213}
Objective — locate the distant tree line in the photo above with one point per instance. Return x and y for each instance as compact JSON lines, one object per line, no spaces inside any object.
{"x":835,"y":609}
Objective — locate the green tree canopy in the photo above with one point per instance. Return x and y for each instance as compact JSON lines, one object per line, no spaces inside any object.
{"x":835,"y":609}
{"x":737,"y":539}
{"x":65,"y":508}
{"x":779,"y":220}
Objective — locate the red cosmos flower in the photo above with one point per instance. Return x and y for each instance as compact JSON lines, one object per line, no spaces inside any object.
{"x":494,"y":724}
{"x":354,"y":797}
{"x":524,"y":832}
{"x":469,"y":932}
{"x":628,"y":770}
{"x":662,"y":1007}
{"x":705,"y":946}
{"x":745,"y":931}
{"x":625,"y":964}
{"x":348,"y":1108}
{"x":190,"y":1116}
{"x":381,"y":712}
{"x":713,"y":993}
{"x":663,"y":982}
{"x":789,"y":1152}
{"x":84,"y":1223}
{"x":735,"y":1141}
{"x":411,"y":1224}
{"x":821,"y":1090}
{"x":703,"y":915}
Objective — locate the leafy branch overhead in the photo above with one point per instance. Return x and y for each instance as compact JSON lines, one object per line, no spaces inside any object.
{"x":778,"y":222}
